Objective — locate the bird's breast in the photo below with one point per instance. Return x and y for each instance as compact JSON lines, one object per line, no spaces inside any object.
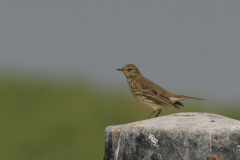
{"x":132,"y":86}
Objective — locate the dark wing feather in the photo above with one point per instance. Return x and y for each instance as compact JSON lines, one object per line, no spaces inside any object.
{"x":179,"y":103}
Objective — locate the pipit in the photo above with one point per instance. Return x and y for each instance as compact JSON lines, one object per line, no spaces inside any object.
{"x":150,"y":93}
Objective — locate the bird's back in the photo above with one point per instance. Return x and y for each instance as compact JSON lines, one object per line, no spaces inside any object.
{"x":145,"y":84}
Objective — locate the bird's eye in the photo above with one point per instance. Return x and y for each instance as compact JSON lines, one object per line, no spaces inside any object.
{"x":129,"y":69}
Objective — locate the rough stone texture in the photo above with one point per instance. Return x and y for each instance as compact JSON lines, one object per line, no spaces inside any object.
{"x":182,"y":136}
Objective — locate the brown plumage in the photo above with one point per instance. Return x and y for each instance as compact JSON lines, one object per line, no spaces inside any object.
{"x":213,"y":158}
{"x":150,"y":93}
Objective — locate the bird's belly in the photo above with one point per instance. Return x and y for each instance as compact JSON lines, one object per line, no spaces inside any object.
{"x":150,"y":104}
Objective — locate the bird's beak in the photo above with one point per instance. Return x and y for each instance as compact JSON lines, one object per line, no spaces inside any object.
{"x":120,"y":69}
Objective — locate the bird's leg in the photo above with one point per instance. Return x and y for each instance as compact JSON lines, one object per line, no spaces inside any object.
{"x":159,"y":111}
{"x":151,"y":114}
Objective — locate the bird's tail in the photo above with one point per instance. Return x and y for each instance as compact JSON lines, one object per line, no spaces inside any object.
{"x":177,"y":97}
{"x":186,"y":97}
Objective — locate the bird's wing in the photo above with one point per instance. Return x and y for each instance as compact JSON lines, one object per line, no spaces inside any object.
{"x":154,"y":92}
{"x":157,"y":98}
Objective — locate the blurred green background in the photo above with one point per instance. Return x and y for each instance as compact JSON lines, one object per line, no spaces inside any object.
{"x":58,"y":118}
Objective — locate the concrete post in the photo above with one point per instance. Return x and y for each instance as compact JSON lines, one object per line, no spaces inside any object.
{"x":182,"y":136}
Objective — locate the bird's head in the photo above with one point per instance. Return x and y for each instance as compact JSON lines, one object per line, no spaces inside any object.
{"x":130,"y":70}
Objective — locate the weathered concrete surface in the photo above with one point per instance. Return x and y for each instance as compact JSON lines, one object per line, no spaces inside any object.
{"x":182,"y":136}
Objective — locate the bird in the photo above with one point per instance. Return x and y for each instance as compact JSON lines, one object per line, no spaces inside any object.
{"x":149,"y":93}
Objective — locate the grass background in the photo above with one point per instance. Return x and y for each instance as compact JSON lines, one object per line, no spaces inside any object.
{"x":48,"y":119}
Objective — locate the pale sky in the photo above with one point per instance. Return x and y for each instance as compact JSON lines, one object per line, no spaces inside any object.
{"x":188,"y":46}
